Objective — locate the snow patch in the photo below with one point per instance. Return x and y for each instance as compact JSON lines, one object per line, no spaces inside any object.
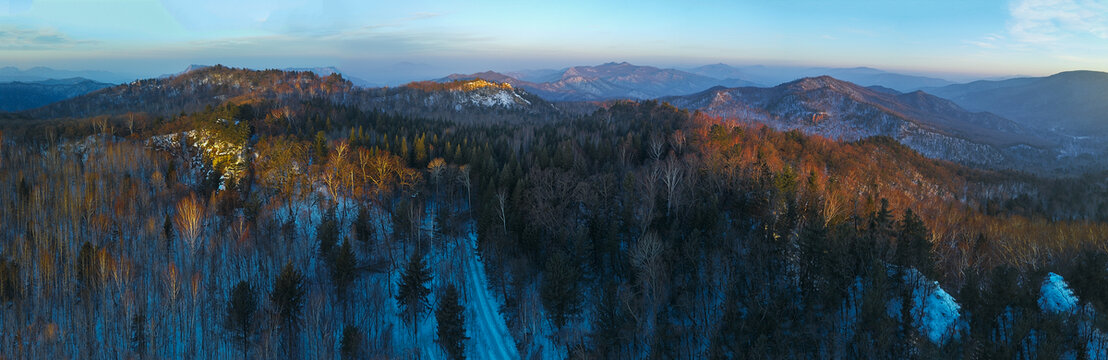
{"x":498,"y":98}
{"x":940,"y":314}
{"x":1056,"y":295}
{"x":935,"y":311}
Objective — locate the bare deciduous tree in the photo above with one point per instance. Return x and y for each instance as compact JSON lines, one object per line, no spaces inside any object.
{"x":501,"y":201}
{"x":657,"y":145}
{"x":190,"y":216}
{"x":677,"y":141}
{"x":463,"y":177}
{"x":172,"y":284}
{"x":646,"y":258}
{"x":673,"y":174}
{"x":337,"y":167}
{"x":648,"y":190}
{"x":435,"y":167}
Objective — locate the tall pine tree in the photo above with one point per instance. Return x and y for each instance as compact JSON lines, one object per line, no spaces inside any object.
{"x":413,"y":290}
{"x":343,"y":268}
{"x":350,"y":346}
{"x":451,"y":319}
{"x":913,"y":249}
{"x":288,"y":300}
{"x":241,"y":305}
{"x":559,"y":288}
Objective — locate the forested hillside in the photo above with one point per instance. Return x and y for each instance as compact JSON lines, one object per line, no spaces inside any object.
{"x":283,"y":215}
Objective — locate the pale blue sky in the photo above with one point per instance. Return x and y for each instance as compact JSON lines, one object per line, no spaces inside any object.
{"x":388,"y":40}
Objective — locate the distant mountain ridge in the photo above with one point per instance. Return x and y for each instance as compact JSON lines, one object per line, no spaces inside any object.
{"x":42,"y":73}
{"x":19,"y":96}
{"x":1073,"y":102}
{"x":198,"y":87}
{"x":328,"y":70}
{"x":842,"y":110}
{"x":606,"y":81}
{"x":774,"y":75}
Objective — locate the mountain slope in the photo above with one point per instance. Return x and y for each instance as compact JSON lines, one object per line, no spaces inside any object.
{"x":18,"y":96}
{"x":773,"y":75}
{"x":199,"y":88}
{"x":328,"y":70}
{"x":608,"y":81}
{"x":461,"y":100}
{"x":1072,"y":102}
{"x":193,"y":90}
{"x":842,"y":110}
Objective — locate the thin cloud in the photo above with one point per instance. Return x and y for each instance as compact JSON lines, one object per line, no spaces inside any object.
{"x":17,"y":38}
{"x":1049,"y":21}
{"x":981,"y":44}
{"x":423,"y":15}
{"x":991,"y":41}
{"x":364,"y":42}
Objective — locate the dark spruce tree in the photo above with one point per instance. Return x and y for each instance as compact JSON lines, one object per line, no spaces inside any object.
{"x":138,"y":334}
{"x":559,"y":288}
{"x":451,"y":321}
{"x":327,"y":234}
{"x":167,"y":232}
{"x":87,"y":271}
{"x":880,"y":230}
{"x":10,"y":285}
{"x":241,"y":305}
{"x":413,"y":290}
{"x":350,"y":347}
{"x":363,"y":231}
{"x":913,"y":248}
{"x":288,"y":300}
{"x":343,"y":268}
{"x":613,"y":324}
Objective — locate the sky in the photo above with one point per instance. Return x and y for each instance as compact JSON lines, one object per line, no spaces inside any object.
{"x":394,"y":41}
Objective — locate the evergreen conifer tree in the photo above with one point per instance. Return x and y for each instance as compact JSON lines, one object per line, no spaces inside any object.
{"x":451,"y":321}
{"x":413,"y":290}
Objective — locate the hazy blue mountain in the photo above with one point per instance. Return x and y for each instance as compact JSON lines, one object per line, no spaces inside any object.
{"x":18,"y":95}
{"x":1071,"y":102}
{"x":537,"y":75}
{"x":607,"y":81}
{"x":189,"y":69}
{"x":773,"y":75}
{"x":41,"y":73}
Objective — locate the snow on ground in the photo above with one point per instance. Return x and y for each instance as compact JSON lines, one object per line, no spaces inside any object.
{"x":488,"y":332}
{"x":500,"y":98}
{"x":1095,"y":347}
{"x":1056,"y":295}
{"x":486,"y":328}
{"x":939,"y":313}
{"x":936,"y":312}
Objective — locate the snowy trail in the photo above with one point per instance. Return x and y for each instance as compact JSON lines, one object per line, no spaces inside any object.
{"x":491,"y":338}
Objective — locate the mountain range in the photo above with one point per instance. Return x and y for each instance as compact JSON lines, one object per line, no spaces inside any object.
{"x":19,"y":95}
{"x":993,"y":123}
{"x":42,"y":73}
{"x":202,"y":86}
{"x":322,"y":71}
{"x":328,"y":70}
{"x":604,"y":82}
{"x":774,"y":75}
{"x":842,"y":110}
{"x":1070,"y":102}
{"x":628,"y":81}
